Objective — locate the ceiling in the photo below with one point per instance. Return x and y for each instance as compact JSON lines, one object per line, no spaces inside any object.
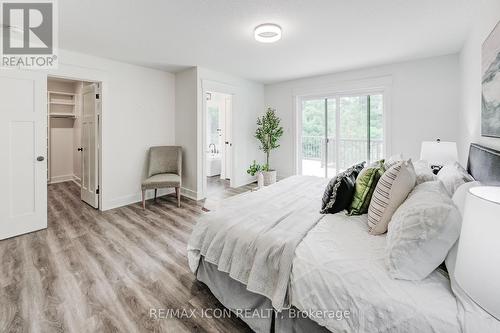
{"x":319,"y":36}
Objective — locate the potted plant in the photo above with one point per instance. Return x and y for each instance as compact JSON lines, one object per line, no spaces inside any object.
{"x":268,"y":133}
{"x":256,"y":169}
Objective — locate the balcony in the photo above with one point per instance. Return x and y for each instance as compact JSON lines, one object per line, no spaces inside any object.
{"x":351,"y":151}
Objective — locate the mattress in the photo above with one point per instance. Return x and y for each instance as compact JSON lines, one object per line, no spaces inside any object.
{"x":339,"y":278}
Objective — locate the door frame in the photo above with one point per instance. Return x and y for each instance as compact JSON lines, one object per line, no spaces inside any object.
{"x":228,"y":116}
{"x":99,"y":79}
{"x":216,"y":87}
{"x":381,"y":86}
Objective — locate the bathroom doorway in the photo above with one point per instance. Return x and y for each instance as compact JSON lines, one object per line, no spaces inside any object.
{"x":219,"y":144}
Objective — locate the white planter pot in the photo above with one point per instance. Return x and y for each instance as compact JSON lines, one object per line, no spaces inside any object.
{"x":269,"y":177}
{"x":260,"y":180}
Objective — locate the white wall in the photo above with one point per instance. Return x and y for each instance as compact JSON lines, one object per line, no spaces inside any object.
{"x":424,"y":104}
{"x":61,"y":137}
{"x":138,"y":112}
{"x":248,"y":103}
{"x":186,"y":108}
{"x":486,"y":14}
{"x":61,"y":150}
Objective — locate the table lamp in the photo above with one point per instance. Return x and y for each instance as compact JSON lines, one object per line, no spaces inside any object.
{"x":477,"y":268}
{"x":438,"y":153}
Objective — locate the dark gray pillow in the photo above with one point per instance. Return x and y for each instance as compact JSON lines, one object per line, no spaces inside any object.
{"x":340,"y":190}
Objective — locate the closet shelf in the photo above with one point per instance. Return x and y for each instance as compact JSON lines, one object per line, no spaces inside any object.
{"x":62,"y":115}
{"x":62,"y":103}
{"x":61,"y":93}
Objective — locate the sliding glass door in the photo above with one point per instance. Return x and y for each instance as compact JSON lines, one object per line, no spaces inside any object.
{"x":316,"y":129}
{"x":338,"y":131}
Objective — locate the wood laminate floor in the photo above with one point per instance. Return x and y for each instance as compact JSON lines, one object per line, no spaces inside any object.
{"x":92,"y":271}
{"x":220,"y":188}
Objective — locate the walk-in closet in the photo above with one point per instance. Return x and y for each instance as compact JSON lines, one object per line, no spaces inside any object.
{"x":73,"y":111}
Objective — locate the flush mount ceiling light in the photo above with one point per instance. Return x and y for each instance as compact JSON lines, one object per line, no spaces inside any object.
{"x":267,"y":33}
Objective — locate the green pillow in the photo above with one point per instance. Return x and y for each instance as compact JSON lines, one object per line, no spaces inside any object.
{"x":365,"y":185}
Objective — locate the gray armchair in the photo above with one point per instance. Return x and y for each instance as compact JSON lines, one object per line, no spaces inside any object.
{"x":164,"y":170}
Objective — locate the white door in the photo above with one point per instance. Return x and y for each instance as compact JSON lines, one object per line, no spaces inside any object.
{"x":23,"y":150}
{"x":90,"y":130}
{"x":228,"y":140}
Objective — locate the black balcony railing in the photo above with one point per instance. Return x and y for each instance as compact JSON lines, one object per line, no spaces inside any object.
{"x":351,"y":151}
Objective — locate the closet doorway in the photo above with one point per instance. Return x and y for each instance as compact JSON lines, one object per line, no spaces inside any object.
{"x":73,"y":136}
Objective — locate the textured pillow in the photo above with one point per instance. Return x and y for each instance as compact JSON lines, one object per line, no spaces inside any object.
{"x":421,"y":232}
{"x":393,"y":160}
{"x":339,"y":191}
{"x":364,"y":187}
{"x":390,"y":192}
{"x":452,"y":176}
{"x":423,"y":172}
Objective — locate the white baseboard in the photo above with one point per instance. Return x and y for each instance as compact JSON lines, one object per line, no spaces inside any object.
{"x":193,"y":195}
{"x":77,"y":181}
{"x":134,"y":198}
{"x":246,"y":181}
{"x":61,"y":179}
{"x":65,"y":178}
{"x":281,"y":176}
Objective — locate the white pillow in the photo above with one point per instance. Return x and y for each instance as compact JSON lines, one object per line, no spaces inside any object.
{"x":421,"y":232}
{"x":424,"y":172}
{"x":391,"y":161}
{"x":391,"y":190}
{"x":452,"y":176}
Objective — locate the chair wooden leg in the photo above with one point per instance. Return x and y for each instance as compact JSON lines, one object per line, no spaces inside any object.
{"x":178,"y":194}
{"x":143,"y":199}
{"x":156,"y":192}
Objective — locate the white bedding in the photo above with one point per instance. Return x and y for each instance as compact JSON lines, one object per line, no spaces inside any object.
{"x":253,"y":236}
{"x":339,"y":266}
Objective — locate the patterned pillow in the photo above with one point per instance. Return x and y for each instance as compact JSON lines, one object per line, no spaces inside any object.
{"x":365,"y":185}
{"x":339,"y":191}
{"x":392,"y":189}
{"x":422,"y":231}
{"x":393,"y":160}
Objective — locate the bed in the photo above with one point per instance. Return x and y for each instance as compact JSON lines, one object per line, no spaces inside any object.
{"x":317,"y":273}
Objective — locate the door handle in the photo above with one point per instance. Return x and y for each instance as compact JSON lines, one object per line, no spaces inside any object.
{"x":80,"y":149}
{"x":40,"y":158}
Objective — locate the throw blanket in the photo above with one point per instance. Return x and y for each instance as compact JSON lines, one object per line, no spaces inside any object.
{"x":254,"y":235}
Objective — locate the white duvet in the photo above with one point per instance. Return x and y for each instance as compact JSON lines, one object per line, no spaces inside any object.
{"x":253,"y":237}
{"x":339,"y":266}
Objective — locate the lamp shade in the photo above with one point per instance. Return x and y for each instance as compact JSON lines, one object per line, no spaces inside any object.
{"x":477,"y":268}
{"x":439,"y":152}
